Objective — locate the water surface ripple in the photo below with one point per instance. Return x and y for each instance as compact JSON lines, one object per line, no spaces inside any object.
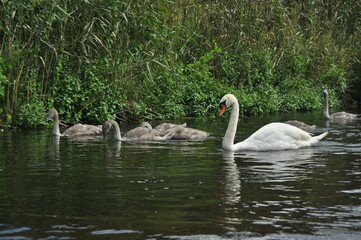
{"x":89,"y":188}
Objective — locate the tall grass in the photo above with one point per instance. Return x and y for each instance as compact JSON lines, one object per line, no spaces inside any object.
{"x":95,"y":60}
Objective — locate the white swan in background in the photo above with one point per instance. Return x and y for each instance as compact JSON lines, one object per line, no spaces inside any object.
{"x":143,"y":132}
{"x":273,"y":136}
{"x":336,"y":115}
{"x":74,"y":131}
{"x":301,"y":125}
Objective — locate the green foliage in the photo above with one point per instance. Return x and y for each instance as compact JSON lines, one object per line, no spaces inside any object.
{"x":96,"y":60}
{"x":199,"y":86}
{"x":32,"y":115}
{"x":91,"y":99}
{"x":3,"y":84}
{"x":3,"y":79}
{"x":185,"y":90}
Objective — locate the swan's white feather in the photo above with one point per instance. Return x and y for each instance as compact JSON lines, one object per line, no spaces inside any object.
{"x":273,"y":136}
{"x":276,"y":136}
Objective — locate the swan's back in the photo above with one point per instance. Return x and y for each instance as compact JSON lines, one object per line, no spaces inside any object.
{"x":146,"y":132}
{"x":166,"y":126}
{"x":344,"y":115}
{"x":185,"y":133}
{"x":278,"y":136}
{"x":301,"y":125}
{"x":83,"y":130}
{"x":139,"y":133}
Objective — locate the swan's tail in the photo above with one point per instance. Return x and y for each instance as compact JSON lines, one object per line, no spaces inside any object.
{"x":317,"y":138}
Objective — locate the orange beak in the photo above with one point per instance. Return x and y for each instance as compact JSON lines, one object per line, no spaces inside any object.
{"x":222,"y":108}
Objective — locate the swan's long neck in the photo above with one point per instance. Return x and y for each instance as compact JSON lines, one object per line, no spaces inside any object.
{"x":326,"y":114}
{"x":56,"y":130}
{"x":117,"y":135}
{"x":228,"y":140}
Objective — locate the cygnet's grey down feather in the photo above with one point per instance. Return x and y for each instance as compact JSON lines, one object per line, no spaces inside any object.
{"x":166,"y":126}
{"x":336,"y":115}
{"x":143,"y":132}
{"x":164,"y":131}
{"x":182,"y":132}
{"x":76,"y":130}
{"x":185,"y":133}
{"x":301,"y":125}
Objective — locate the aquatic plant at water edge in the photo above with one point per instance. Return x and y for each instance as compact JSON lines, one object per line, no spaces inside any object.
{"x":169,"y":59}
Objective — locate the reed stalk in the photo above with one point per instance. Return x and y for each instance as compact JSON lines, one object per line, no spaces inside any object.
{"x":96,"y":60}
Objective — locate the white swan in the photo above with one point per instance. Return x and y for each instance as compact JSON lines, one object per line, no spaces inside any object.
{"x":273,"y":136}
{"x":74,"y":131}
{"x":301,"y":125}
{"x":336,"y":115}
{"x":143,"y":132}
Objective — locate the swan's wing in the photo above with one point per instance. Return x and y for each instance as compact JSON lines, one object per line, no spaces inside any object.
{"x":138,"y":133}
{"x":275,"y":136}
{"x":300,"y":125}
{"x":83,"y":130}
{"x":162,"y":127}
{"x":190,"y":133}
{"x":279,"y":131}
{"x":166,"y":126}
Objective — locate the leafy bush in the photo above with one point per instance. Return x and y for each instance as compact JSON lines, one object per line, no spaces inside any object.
{"x":158,"y":59}
{"x":32,"y":115}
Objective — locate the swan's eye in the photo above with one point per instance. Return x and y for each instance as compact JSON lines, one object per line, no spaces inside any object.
{"x":223,"y":104}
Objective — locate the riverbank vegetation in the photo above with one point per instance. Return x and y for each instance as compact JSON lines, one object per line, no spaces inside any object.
{"x":106,"y":59}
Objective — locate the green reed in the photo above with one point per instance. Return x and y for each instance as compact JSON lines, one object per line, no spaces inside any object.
{"x":96,"y":60}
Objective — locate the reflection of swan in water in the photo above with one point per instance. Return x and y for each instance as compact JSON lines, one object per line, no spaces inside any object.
{"x":230,"y":191}
{"x":80,"y":139}
{"x":338,"y":121}
{"x":278,"y":166}
{"x":110,"y":152}
{"x":54,"y":157}
{"x":278,"y":156}
{"x":232,"y":181}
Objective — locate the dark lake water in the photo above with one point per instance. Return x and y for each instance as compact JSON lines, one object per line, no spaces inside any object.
{"x":54,"y":188}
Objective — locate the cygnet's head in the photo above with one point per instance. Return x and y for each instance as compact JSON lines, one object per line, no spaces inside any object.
{"x":106,"y":127}
{"x":51,"y":114}
{"x":145,"y":125}
{"x":325,"y":93}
